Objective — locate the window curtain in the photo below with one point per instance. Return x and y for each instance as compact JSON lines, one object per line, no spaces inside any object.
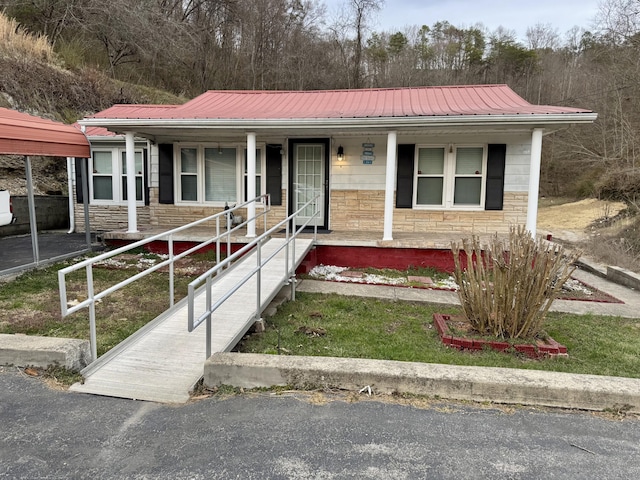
{"x":220,"y":174}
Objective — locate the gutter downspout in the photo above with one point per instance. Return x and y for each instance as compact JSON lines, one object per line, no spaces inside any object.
{"x":72,"y":211}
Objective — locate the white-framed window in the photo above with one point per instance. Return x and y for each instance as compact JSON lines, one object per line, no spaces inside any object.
{"x":188,"y":184}
{"x":109,"y":175}
{"x":259,"y":168}
{"x":450,"y":176}
{"x":139,"y":166}
{"x":215,"y":174}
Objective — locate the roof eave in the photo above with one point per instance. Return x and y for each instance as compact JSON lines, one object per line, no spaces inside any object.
{"x":347,"y":123}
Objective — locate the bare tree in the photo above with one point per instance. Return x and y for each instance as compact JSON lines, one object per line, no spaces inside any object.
{"x":542,"y":37}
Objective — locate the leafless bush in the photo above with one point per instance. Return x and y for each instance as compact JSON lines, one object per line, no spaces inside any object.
{"x":507,"y":290}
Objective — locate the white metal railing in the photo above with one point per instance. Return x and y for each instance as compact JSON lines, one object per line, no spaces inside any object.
{"x":215,"y":274}
{"x":222,"y":234}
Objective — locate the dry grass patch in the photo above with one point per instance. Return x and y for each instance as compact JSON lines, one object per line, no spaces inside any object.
{"x":16,"y":42}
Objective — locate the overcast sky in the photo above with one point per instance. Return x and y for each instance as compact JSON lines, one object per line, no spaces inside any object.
{"x":513,"y":14}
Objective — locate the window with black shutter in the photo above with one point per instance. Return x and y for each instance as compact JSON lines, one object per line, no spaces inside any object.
{"x":404,"y":176}
{"x":496,"y":156}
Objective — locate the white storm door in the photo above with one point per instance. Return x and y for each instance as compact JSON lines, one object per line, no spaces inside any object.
{"x":309,"y":181}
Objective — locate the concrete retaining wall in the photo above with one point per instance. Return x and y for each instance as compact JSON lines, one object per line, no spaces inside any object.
{"x":52,"y":213}
{"x":625,"y":277}
{"x":481,"y":384}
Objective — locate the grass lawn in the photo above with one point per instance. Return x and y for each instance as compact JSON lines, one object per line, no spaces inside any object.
{"x":353,"y":327}
{"x":30,"y":304}
{"x":381,"y":329}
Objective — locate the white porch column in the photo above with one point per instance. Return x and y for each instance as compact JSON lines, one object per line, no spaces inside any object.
{"x":534,"y":181}
{"x":251,"y":182}
{"x":131,"y":183}
{"x":392,"y":143}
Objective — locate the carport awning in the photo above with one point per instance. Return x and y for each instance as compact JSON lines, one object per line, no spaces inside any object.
{"x":22,"y":134}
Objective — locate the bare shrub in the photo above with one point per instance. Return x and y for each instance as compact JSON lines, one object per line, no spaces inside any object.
{"x":507,"y":290}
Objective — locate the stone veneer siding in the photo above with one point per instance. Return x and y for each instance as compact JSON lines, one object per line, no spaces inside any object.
{"x":364,"y":210}
{"x":108,"y":217}
{"x":351,"y":210}
{"x":171,"y":216}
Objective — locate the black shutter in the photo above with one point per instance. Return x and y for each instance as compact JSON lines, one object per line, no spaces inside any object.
{"x":165,"y":171}
{"x":496,"y":155}
{"x":404,"y":179}
{"x":274,"y":173}
{"x":145,"y":176}
{"x":79,"y":196}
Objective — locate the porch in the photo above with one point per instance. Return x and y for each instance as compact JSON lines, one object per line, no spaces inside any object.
{"x":329,"y":238}
{"x":355,"y":249}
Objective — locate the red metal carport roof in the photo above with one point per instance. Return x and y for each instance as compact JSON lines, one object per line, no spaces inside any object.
{"x":22,"y":134}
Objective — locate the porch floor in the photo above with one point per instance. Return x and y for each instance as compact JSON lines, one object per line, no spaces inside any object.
{"x":440,"y":241}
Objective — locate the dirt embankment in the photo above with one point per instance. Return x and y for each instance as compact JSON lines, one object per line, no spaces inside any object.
{"x":573,"y":221}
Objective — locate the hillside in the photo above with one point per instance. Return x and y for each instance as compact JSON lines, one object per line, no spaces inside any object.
{"x":34,"y":81}
{"x":49,"y":91}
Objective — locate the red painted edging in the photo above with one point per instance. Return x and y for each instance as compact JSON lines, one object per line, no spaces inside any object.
{"x":161,"y":247}
{"x":363,"y":257}
{"x":549,"y":349}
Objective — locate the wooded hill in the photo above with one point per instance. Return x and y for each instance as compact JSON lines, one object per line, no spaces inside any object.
{"x":96,"y":53}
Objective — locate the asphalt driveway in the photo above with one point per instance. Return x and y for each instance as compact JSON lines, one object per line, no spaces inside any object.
{"x":49,"y":434}
{"x":16,"y":251}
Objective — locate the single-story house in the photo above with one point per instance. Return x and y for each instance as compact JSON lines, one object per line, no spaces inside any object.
{"x":384,"y":160}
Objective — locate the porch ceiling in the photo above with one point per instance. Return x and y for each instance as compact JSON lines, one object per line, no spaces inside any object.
{"x":176,"y":134}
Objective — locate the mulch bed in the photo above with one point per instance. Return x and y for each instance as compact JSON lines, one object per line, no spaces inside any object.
{"x":596,"y":295}
{"x":451,"y":329}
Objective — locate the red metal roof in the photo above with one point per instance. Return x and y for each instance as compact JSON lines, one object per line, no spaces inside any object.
{"x":98,"y":132}
{"x":331,"y":104}
{"x":22,"y":134}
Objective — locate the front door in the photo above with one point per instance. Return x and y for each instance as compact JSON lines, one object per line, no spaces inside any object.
{"x":309,"y":161}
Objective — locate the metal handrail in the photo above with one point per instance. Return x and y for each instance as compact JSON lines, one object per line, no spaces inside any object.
{"x":93,"y":297}
{"x":215,"y":274}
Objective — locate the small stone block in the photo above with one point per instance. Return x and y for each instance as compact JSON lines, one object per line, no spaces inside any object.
{"x":352,"y":274}
{"x":417,"y":279}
